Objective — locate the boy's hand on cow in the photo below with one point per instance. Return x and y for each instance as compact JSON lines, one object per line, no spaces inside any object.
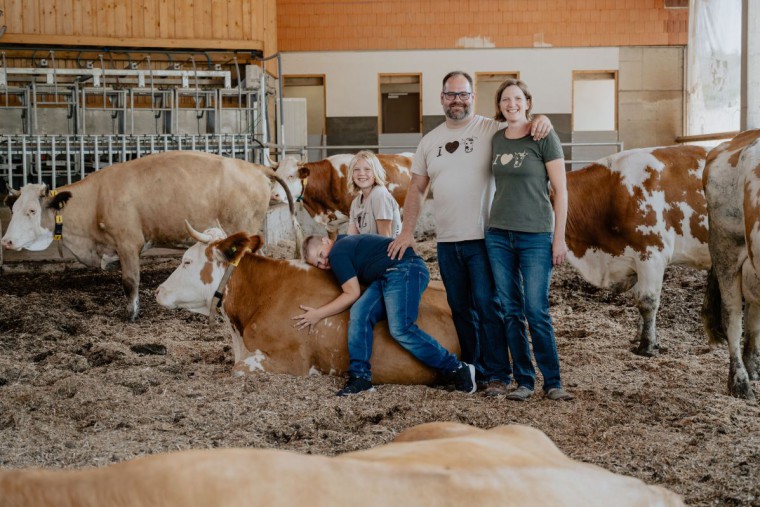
{"x":309,"y":318}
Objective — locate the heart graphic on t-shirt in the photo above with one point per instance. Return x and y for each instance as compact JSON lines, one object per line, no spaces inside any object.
{"x":506,"y":158}
{"x":452,"y":146}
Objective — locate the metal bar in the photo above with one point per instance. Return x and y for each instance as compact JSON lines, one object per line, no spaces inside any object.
{"x":82,"y":171}
{"x":68,"y":160}
{"x":52,"y":161}
{"x":38,"y":160}
{"x":23,"y":160}
{"x":110,"y":150}
{"x":96,"y":153}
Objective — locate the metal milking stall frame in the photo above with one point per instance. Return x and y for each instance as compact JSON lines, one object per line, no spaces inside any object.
{"x":59,"y":124}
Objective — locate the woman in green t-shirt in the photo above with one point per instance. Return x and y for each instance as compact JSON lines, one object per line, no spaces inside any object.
{"x":526,"y":237}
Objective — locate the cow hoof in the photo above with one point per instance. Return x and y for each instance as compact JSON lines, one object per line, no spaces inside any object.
{"x":741,"y":390}
{"x":644,"y":351}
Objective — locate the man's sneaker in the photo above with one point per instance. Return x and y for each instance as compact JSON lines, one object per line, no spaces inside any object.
{"x":522,"y":393}
{"x":464,"y":378}
{"x":355,"y":385}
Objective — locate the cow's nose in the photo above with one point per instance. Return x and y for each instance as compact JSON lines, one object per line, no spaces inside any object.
{"x":8,"y":244}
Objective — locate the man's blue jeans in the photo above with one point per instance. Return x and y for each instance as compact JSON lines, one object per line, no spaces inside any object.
{"x":522,"y":269}
{"x":475,"y":308}
{"x":396,"y":296}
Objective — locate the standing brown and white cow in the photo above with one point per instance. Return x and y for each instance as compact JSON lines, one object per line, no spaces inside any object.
{"x":323,"y":186}
{"x":732,"y":187}
{"x":262,"y":293}
{"x":117,"y":213}
{"x":630,"y":216}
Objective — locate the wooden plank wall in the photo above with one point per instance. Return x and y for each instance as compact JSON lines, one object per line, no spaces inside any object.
{"x":196,"y":24}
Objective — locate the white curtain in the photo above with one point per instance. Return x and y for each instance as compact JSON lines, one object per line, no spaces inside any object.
{"x":714,"y":66}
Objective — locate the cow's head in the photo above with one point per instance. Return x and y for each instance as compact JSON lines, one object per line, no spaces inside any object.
{"x":193,"y":283}
{"x":293,"y":172}
{"x":31,"y":225}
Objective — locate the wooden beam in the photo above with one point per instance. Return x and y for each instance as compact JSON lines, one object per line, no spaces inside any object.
{"x":125,"y":42}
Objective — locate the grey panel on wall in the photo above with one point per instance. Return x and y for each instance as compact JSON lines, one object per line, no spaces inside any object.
{"x":351,"y":131}
{"x":431,"y":122}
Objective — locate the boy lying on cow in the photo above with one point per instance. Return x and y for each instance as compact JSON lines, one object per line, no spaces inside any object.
{"x":394,"y":289}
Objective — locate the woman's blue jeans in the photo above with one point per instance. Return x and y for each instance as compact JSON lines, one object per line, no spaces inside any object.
{"x":522,"y":269}
{"x":475,"y":308}
{"x":395,"y":296}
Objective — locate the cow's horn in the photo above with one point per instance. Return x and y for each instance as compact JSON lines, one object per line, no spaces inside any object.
{"x":12,"y":191}
{"x":219,"y":225}
{"x":199,"y":236}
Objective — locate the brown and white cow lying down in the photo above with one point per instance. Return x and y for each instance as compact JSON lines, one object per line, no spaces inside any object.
{"x":116,"y":213}
{"x":633,"y":214}
{"x":263,"y":293}
{"x":732,"y":187}
{"x":322,"y":185}
{"x":441,"y":464}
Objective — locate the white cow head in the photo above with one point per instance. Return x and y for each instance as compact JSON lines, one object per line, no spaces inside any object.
{"x":292,"y":172}
{"x":192,"y":284}
{"x":32,"y":222}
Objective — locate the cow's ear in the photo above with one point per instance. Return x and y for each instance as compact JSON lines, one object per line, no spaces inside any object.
{"x":255,"y":243}
{"x":303,"y":172}
{"x":59,"y":200}
{"x":10,"y":199}
{"x":234,"y":247}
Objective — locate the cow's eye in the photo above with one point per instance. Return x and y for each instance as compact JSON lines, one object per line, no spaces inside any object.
{"x":186,"y":262}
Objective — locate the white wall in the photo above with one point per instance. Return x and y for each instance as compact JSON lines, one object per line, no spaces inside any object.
{"x":351,"y":79}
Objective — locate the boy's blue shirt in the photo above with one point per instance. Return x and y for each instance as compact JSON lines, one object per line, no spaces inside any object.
{"x":364,"y":256}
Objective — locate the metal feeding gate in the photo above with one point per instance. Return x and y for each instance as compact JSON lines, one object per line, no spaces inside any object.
{"x":58,"y":125}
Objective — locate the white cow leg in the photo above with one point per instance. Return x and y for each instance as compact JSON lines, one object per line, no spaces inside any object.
{"x":738,"y":379}
{"x":647,"y":305}
{"x":751,"y":354}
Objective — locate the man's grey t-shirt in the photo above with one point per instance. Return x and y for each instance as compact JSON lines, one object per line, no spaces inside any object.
{"x":458,"y":163}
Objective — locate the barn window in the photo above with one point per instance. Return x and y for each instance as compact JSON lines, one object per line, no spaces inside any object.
{"x":595,"y":114}
{"x":400,"y":103}
{"x":311,"y":88}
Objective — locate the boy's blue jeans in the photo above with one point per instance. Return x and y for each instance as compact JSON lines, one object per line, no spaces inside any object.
{"x":396,"y":296}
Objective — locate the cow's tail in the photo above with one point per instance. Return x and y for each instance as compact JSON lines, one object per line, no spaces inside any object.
{"x":297,"y":231}
{"x":712,"y":312}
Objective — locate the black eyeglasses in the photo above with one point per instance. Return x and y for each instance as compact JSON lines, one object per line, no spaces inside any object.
{"x":453,"y":95}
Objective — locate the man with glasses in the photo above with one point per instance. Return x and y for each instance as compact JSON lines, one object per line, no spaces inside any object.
{"x":455,"y":158}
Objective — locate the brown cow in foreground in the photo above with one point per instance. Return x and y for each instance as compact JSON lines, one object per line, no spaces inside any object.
{"x":435,"y":464}
{"x":263,"y":293}
{"x":118,"y":212}
{"x":322,"y":185}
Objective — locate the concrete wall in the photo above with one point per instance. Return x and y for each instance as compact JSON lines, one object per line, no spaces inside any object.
{"x":650,"y":96}
{"x":650,"y":85}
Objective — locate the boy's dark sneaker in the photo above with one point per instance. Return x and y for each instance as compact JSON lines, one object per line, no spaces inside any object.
{"x":464,"y":378}
{"x":356,"y":385}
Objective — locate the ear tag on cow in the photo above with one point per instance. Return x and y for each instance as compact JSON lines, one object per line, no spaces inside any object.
{"x":58,"y":231}
{"x":53,"y":193}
